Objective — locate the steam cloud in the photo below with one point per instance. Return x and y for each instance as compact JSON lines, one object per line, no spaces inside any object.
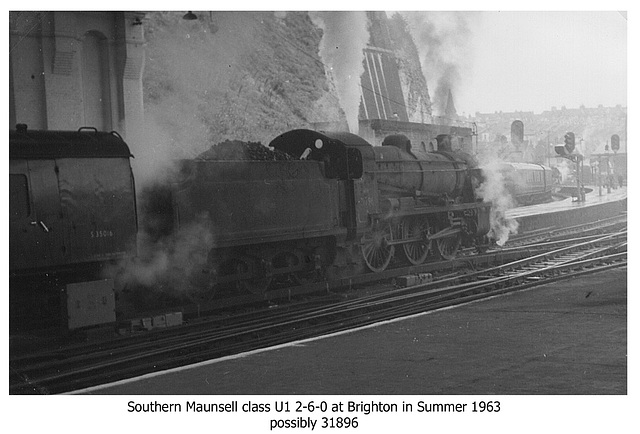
{"x":196,"y":72}
{"x":194,"y":63}
{"x":565,"y":170}
{"x":189,"y":70}
{"x":342,"y":51}
{"x":493,"y":190}
{"x":172,"y":266}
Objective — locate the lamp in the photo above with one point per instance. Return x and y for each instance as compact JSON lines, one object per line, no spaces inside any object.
{"x":189,"y":16}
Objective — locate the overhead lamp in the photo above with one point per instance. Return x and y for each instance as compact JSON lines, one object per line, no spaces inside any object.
{"x":190,"y":16}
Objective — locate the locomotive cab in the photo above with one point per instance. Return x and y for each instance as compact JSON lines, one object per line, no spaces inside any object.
{"x":348,"y":158}
{"x":340,"y":161}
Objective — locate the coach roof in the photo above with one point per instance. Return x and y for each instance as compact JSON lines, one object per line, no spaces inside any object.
{"x":83,"y":143}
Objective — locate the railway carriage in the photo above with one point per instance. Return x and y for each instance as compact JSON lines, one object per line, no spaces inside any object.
{"x":72,"y":210}
{"x":528,"y":183}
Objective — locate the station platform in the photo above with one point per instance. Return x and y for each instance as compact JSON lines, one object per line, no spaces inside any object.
{"x":592,"y":198}
{"x":569,"y":212}
{"x":566,"y":338}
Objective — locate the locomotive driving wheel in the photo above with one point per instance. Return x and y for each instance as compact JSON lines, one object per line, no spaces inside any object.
{"x":290,"y":267}
{"x":376,"y":251}
{"x":259,"y":282}
{"x":447,"y":247}
{"x":416,"y":251}
{"x":239,"y":273}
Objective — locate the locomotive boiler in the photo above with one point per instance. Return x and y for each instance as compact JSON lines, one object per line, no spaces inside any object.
{"x":430,"y":175}
{"x":333,"y":207}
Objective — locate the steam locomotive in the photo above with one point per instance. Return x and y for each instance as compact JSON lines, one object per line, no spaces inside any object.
{"x":332,"y":207}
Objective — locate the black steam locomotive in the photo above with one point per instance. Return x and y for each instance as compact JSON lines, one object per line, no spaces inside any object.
{"x":333,"y":207}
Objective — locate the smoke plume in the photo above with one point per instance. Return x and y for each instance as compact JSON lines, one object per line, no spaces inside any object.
{"x":342,"y":51}
{"x":443,"y":40}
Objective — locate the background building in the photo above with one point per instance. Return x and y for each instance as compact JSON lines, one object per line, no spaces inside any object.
{"x":69,"y":70}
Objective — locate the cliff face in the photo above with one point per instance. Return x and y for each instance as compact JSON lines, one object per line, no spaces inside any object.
{"x":249,"y":76}
{"x":234,"y":75}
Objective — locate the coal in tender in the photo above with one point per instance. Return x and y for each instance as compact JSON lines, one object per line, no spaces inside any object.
{"x":233,"y":150}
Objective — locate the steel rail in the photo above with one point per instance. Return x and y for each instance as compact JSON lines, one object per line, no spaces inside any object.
{"x":364,"y":309}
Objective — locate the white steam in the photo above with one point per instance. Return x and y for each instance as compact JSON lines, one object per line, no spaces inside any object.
{"x":565,"y":169}
{"x":174,"y":265}
{"x":342,"y":51}
{"x":188,"y":73}
{"x":157,"y":151}
{"x":493,"y":190}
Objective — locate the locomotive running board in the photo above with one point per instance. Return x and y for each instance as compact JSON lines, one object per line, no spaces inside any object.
{"x":428,"y":210}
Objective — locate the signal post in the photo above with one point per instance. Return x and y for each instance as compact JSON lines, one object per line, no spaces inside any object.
{"x":566,"y":151}
{"x":606,"y":158}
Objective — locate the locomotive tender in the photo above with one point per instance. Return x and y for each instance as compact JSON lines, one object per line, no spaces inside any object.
{"x":72,"y":210}
{"x":336,"y":206}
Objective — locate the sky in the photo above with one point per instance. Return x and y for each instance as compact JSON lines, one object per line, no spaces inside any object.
{"x":532,"y":61}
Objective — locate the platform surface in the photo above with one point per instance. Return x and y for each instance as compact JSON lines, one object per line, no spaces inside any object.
{"x":569,"y":337}
{"x":592,"y":198}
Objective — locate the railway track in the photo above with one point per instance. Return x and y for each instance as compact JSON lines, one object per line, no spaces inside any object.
{"x":517,"y":247}
{"x":76,"y":367}
{"x":554,"y":233}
